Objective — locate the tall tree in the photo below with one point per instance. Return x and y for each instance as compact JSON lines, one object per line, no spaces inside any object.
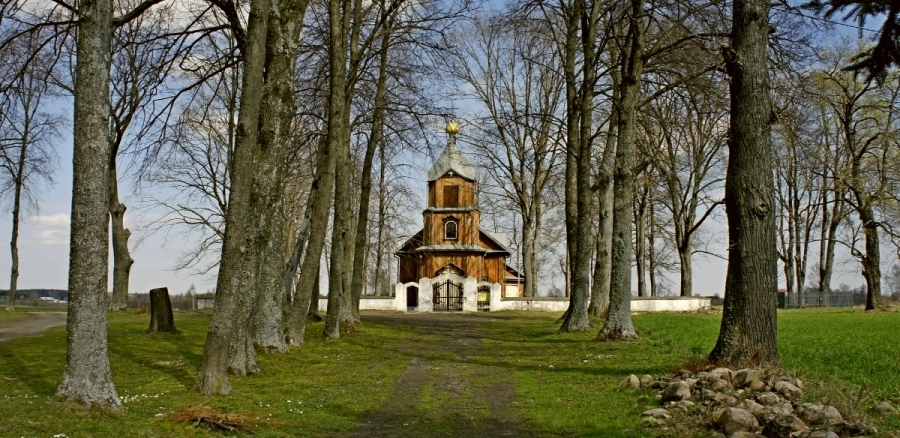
{"x":749,"y":321}
{"x":237,"y":272}
{"x":618,"y":319}
{"x":87,"y":377}
{"x":27,"y":133}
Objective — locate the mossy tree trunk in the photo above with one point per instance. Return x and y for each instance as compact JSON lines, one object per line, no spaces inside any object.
{"x":87,"y":378}
{"x":237,"y":269}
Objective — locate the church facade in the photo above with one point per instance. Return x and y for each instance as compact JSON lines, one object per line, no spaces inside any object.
{"x":451,"y":241}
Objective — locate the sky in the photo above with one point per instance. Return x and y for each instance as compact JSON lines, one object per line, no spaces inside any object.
{"x":44,"y":245}
{"x":44,"y":240}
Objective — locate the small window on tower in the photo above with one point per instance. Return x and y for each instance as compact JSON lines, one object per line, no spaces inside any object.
{"x":450,"y":231}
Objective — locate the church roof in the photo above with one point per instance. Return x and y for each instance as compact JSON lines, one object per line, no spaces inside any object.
{"x":452,"y":159}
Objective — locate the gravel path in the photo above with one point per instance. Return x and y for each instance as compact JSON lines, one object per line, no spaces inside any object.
{"x":36,"y":323}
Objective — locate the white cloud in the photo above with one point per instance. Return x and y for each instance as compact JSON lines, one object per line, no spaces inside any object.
{"x":52,"y":237}
{"x":54,"y":220}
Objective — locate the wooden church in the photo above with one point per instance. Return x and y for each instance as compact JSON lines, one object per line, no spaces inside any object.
{"x":452,"y":240}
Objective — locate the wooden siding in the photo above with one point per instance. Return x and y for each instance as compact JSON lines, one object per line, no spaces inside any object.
{"x":465,"y":192}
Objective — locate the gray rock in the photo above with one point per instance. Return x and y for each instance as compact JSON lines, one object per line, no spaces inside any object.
{"x":822,"y":434}
{"x":884,"y":408}
{"x":684,"y":405}
{"x":744,"y":434}
{"x":630,"y":382}
{"x":720,"y":385}
{"x":645,"y":380}
{"x":798,"y":383}
{"x":658,"y":413}
{"x":743,"y":377}
{"x":691,"y":382}
{"x":676,"y":391}
{"x":721,"y":373}
{"x":768,"y":398}
{"x":736,"y":419}
{"x":756,"y":385}
{"x":716,"y":435}
{"x":789,"y":390}
{"x":784,"y":425}
{"x":820,"y":415}
{"x":751,"y":407}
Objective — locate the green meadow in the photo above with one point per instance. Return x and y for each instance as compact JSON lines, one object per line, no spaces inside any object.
{"x":400,"y":376}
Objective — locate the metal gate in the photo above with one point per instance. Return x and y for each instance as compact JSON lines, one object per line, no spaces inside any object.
{"x":448,"y":296}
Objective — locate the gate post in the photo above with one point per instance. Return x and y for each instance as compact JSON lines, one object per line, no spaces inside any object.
{"x":400,"y":297}
{"x":470,"y":295}
{"x":495,"y":297}
{"x":426,"y":303}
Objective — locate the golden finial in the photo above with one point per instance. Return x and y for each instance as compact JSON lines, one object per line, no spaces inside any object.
{"x":452,"y":128}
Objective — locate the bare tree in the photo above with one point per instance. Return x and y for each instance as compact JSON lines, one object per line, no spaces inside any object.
{"x":748,"y":331}
{"x":508,"y":65}
{"x":27,"y":134}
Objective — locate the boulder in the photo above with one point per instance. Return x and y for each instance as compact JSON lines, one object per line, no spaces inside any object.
{"x":721,"y":373}
{"x":822,"y":434}
{"x":720,"y":385}
{"x":779,"y":421}
{"x":885,"y":409}
{"x":645,"y":380}
{"x":743,"y":434}
{"x":630,"y":382}
{"x":768,"y":398}
{"x":658,"y":413}
{"x":751,"y":407}
{"x":676,"y":391}
{"x":735,"y":419}
{"x":743,"y":377}
{"x":789,"y":390}
{"x":820,"y":415}
{"x":756,"y":385}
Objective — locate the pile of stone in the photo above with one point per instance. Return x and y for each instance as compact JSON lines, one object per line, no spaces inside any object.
{"x":748,"y":403}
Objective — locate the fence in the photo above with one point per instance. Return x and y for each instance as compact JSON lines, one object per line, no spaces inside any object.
{"x":818,"y":299}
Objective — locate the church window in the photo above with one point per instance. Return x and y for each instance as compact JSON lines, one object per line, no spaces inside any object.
{"x":450,"y":230}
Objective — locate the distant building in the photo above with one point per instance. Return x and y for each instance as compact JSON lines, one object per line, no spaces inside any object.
{"x":452,"y":241}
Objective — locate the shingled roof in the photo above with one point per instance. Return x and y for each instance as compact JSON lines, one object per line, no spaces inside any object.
{"x":452,"y":159}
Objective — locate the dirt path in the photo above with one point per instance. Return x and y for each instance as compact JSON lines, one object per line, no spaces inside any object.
{"x":444,"y":391}
{"x":36,"y":323}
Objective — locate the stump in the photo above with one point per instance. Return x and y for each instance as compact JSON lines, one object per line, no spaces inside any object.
{"x":161,"y":319}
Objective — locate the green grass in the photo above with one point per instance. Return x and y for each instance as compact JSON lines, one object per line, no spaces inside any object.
{"x":565,"y":384}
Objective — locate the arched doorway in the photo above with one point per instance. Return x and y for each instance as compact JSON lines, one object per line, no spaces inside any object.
{"x":412,"y":296}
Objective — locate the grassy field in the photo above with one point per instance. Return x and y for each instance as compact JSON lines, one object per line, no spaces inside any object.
{"x":564,"y":384}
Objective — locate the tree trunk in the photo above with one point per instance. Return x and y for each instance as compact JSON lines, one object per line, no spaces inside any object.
{"x":307,"y":289}
{"x":122,"y":260}
{"x":651,"y":254}
{"x":161,"y":318}
{"x":829,"y":240}
{"x":871,"y":261}
{"x":618,"y":320}
{"x":687,"y":272}
{"x":361,"y":241}
{"x":577,"y":318}
{"x":640,"y":253}
{"x":14,"y":240}
{"x":87,"y":377}
{"x":237,"y":269}
{"x":603,"y":262}
{"x":529,"y":255}
{"x":339,"y":143}
{"x":276,"y":123}
{"x":749,"y":321}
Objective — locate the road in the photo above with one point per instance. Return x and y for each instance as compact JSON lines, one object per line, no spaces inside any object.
{"x":36,"y":323}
